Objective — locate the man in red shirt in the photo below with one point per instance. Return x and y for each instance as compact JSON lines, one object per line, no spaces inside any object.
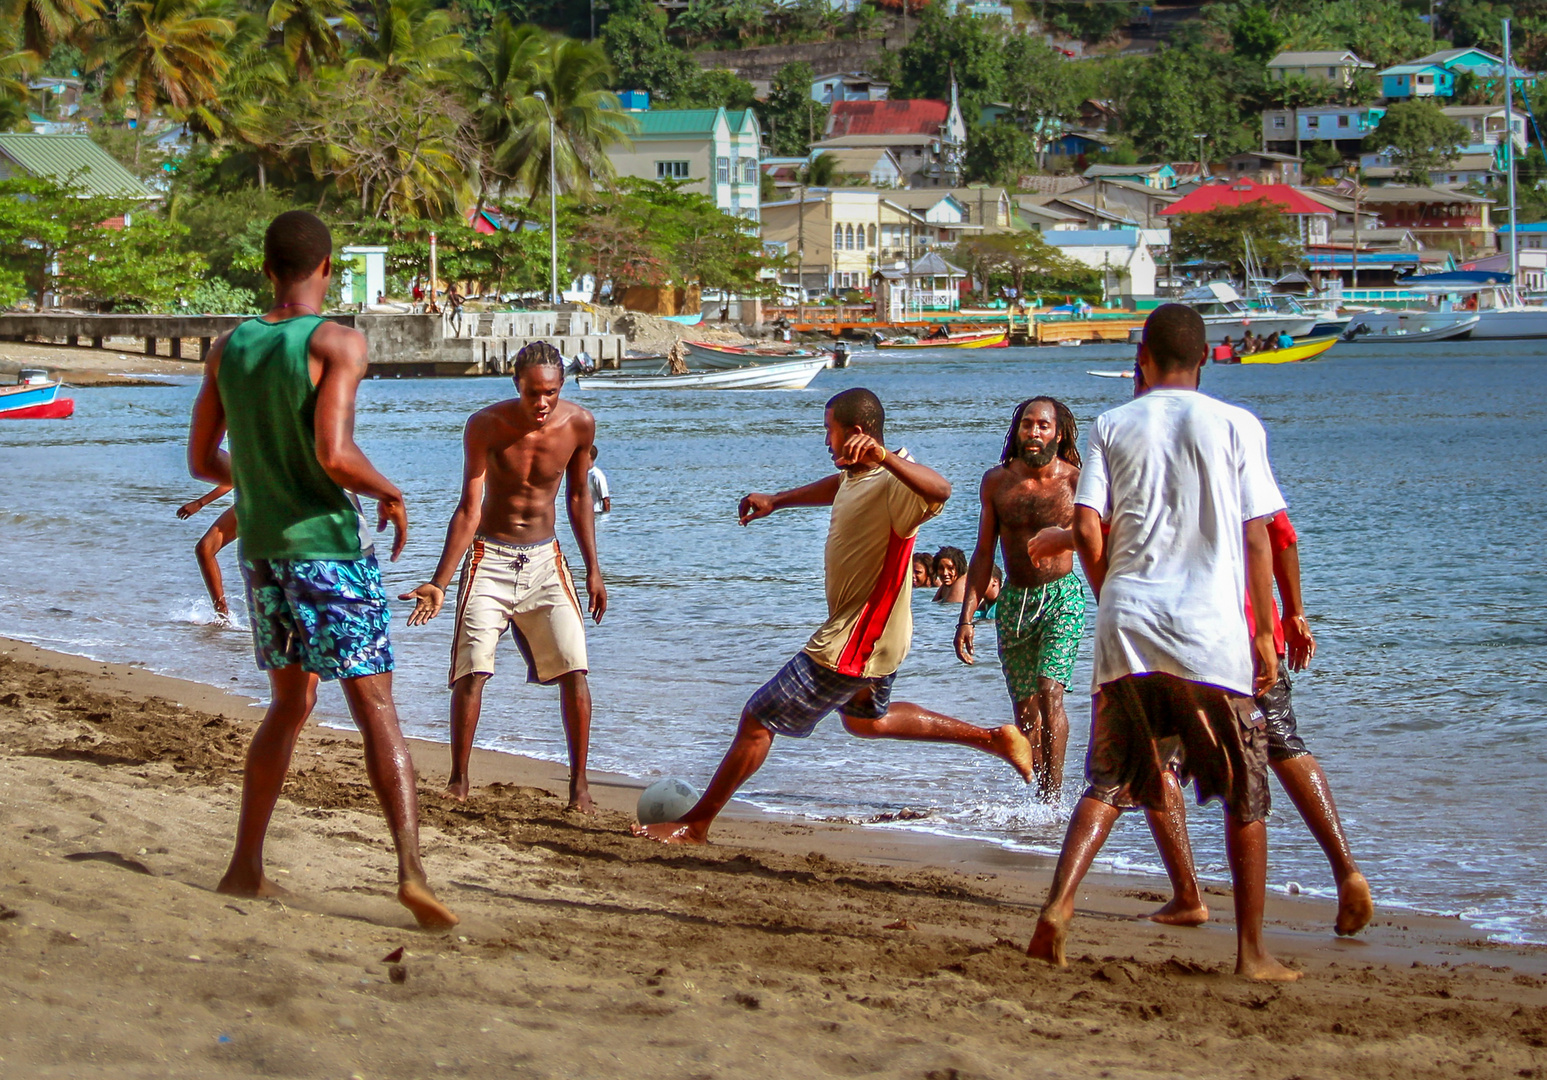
{"x":1296,"y":768}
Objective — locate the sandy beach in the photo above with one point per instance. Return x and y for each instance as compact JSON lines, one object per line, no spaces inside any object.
{"x":785,"y":949}
{"x":125,"y":366}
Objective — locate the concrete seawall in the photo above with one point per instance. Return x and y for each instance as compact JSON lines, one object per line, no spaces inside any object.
{"x":476,"y":343}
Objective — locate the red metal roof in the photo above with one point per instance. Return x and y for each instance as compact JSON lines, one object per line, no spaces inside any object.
{"x":916,"y":117}
{"x":1240,"y":192}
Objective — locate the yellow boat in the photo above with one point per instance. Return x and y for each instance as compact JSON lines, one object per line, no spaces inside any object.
{"x":1308,"y":349}
{"x":992,"y":339}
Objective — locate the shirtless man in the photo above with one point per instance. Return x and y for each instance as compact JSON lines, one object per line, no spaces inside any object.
{"x":1041,"y":610}
{"x":516,"y":452}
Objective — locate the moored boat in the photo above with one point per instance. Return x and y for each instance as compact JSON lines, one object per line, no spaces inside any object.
{"x":1411,"y":326}
{"x":1227,"y":315}
{"x":790,"y":375}
{"x":34,"y":401}
{"x":991,"y":339}
{"x":723,"y":357}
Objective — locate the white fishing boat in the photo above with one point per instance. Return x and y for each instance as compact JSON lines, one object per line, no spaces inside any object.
{"x":1227,"y":315}
{"x":791,"y":375}
{"x":722,"y":357}
{"x":1410,"y":327}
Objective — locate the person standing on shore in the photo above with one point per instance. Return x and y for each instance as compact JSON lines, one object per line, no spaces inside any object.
{"x":514,"y":575}
{"x":879,"y":498}
{"x":1183,"y":482}
{"x":210,"y":545}
{"x":1040,"y":613}
{"x":283,"y":386}
{"x":601,"y":494}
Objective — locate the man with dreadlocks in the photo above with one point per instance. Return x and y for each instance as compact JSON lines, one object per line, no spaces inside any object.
{"x":1041,"y":611}
{"x":514,"y":575}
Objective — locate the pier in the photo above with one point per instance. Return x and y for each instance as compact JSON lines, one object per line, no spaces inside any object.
{"x":474,"y":343}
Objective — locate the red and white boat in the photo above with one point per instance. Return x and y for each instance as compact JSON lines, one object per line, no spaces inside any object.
{"x":34,"y":401}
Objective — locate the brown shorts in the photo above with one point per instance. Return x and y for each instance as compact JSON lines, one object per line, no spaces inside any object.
{"x":1144,"y":724}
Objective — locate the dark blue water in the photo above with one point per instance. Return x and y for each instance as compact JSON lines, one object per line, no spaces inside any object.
{"x":1414,"y":478}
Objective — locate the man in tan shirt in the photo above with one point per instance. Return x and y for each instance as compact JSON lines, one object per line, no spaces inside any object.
{"x":879,"y":499}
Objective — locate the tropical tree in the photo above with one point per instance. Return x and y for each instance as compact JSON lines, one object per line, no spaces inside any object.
{"x":45,"y":23}
{"x":168,"y":53}
{"x":1039,"y":88}
{"x":1420,"y":138}
{"x":16,"y":64}
{"x":403,"y":38}
{"x":946,"y":47}
{"x":635,"y":40}
{"x":793,"y":121}
{"x":1220,"y":236}
{"x":305,"y":32}
{"x":496,"y":79}
{"x":572,"y":78}
{"x":1026,"y":260}
{"x":998,"y":154}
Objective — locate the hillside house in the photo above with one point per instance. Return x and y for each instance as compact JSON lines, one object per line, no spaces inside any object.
{"x":928,"y":138}
{"x":848,"y":86}
{"x":718,"y":150}
{"x":1338,"y":68}
{"x":1407,"y":81}
{"x":836,"y":238}
{"x":1313,"y":220}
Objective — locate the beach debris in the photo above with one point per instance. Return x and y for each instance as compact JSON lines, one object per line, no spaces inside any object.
{"x":900,"y":924}
{"x":398,"y":973}
{"x":233,"y":907}
{"x":112,"y":858}
{"x":11,"y":701}
{"x":746,"y":1000}
{"x":1292,"y":888}
{"x":8,"y":913}
{"x":394,"y":956}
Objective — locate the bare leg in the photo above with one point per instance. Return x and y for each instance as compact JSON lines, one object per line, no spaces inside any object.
{"x":1307,"y":787}
{"x":1088,"y":829}
{"x":391,"y":772}
{"x":747,"y":753}
{"x":292,"y":693}
{"x":1169,"y":827}
{"x":904,"y":720}
{"x":219,"y":534}
{"x":1028,"y":719}
{"x":575,"y":704}
{"x":1055,"y":737}
{"x":1246,"y":844}
{"x":466,"y":706}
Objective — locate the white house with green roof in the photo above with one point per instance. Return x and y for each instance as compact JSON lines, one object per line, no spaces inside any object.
{"x":68,"y":158}
{"x":718,"y":150}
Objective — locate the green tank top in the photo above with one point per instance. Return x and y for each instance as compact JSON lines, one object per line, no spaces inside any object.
{"x":287,"y":506}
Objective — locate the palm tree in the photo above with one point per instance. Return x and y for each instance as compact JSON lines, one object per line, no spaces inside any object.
{"x":15,"y":65}
{"x":306,"y":32}
{"x":164,"y":52}
{"x":573,"y":77}
{"x":44,"y":23}
{"x":252,"y":92}
{"x":408,"y":37}
{"x":495,"y":80}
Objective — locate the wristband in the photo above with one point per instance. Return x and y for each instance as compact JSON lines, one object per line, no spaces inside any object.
{"x":883,"y":456}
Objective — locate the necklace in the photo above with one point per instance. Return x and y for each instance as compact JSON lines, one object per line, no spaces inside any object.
{"x":293,"y":303}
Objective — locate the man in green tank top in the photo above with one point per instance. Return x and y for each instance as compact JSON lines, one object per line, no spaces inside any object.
{"x":283,"y":388}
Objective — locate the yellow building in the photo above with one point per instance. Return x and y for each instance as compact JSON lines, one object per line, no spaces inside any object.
{"x":835,"y":238}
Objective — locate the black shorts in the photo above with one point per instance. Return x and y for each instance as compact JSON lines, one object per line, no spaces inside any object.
{"x":1144,"y":725}
{"x":1284,"y":742}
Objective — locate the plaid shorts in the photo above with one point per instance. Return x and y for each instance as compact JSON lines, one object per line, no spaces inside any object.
{"x":328,"y":615}
{"x":794,"y":701}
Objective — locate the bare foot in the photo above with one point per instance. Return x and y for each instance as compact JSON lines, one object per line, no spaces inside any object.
{"x":668,"y":832}
{"x":429,"y":912}
{"x":456,"y":790}
{"x":1264,"y":968}
{"x":1010,"y":743}
{"x":1177,"y":913}
{"x":1355,"y":908}
{"x":580,"y":801}
{"x":1047,"y":940}
{"x":241,"y":884}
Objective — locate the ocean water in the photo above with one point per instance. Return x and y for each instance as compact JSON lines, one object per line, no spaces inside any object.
{"x":1414,"y":477}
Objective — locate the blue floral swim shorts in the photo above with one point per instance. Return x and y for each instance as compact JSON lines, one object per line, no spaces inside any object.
{"x":328,"y":615}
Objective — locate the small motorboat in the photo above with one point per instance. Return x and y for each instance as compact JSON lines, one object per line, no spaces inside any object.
{"x":723,"y":357}
{"x":1409,"y":327}
{"x":1308,"y":349}
{"x":790,"y":375}
{"x":991,"y":339}
{"x":34,"y":401}
{"x":1111,"y":374}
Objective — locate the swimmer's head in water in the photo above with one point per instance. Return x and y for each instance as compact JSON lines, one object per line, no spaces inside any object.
{"x":1175,"y":338}
{"x":923,"y":568}
{"x":1040,"y":429}
{"x":950,"y":564}
{"x":539,"y":378}
{"x":295,"y":245}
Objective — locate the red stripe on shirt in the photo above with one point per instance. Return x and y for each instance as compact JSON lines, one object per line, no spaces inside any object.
{"x":873,"y":617}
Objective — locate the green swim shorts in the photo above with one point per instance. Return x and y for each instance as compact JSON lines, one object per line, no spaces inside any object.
{"x":1039,"y":633}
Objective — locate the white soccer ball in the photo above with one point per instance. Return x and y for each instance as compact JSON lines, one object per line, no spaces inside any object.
{"x":665,"y":800}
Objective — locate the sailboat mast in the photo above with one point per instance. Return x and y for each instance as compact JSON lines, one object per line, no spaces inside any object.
{"x":1509,"y":157}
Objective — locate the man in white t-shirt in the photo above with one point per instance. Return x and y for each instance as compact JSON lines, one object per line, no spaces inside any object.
{"x":601,"y":497}
{"x":1170,"y":524}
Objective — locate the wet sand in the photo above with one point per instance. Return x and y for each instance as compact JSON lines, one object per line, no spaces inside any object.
{"x":124,"y":366}
{"x":785,"y":949}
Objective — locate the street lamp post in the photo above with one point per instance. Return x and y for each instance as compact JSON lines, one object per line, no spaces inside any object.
{"x":553,"y":203}
{"x":1202,"y":167}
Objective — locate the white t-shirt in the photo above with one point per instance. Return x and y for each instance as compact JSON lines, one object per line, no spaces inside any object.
{"x":1175,"y":474}
{"x":598,"y":480}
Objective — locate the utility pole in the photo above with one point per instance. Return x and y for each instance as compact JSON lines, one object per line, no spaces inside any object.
{"x":1358,"y":191}
{"x":1202,"y":165}
{"x":1509,"y":158}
